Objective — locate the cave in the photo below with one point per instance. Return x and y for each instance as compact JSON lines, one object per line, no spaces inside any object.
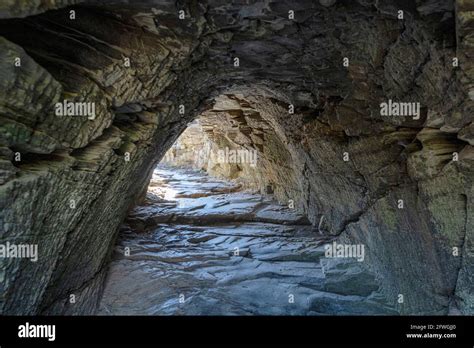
{"x":359,"y":114}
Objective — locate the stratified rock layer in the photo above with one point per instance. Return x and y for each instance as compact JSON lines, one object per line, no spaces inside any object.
{"x":401,"y":186}
{"x":222,"y":253}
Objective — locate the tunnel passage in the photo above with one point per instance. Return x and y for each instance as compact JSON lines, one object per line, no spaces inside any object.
{"x":302,"y":82}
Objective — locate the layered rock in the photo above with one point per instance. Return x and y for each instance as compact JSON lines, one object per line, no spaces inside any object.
{"x":219,"y":251}
{"x":304,"y":92}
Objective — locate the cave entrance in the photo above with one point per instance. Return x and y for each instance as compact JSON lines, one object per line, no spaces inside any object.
{"x":232,"y":140}
{"x":206,"y":147}
{"x":208,"y":238}
{"x":305,"y":93}
{"x":207,"y":159}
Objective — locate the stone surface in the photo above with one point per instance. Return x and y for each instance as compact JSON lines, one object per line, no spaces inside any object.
{"x":190,"y":62}
{"x":23,"y":8}
{"x":251,"y":265}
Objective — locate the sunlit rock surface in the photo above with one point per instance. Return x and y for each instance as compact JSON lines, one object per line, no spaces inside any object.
{"x":228,"y":254}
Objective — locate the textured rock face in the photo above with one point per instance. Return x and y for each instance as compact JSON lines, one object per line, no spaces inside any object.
{"x":189,"y":149}
{"x":211,"y":143}
{"x":399,"y":185}
{"x":228,"y":252}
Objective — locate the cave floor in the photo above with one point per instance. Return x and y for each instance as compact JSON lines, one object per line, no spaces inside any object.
{"x":202,"y":246}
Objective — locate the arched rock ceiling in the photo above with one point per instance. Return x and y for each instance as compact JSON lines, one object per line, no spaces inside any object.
{"x":281,"y":61}
{"x":187,"y":61}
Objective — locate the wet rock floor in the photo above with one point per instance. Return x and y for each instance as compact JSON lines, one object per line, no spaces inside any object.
{"x":202,"y":246}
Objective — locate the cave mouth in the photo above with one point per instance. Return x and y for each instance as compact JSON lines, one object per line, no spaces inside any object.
{"x":215,"y":244}
{"x":217,"y":151}
{"x":359,"y":115}
{"x":212,"y":248}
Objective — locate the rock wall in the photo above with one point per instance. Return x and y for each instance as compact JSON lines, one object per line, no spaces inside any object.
{"x":189,"y":150}
{"x":305,"y":92}
{"x":216,"y":144}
